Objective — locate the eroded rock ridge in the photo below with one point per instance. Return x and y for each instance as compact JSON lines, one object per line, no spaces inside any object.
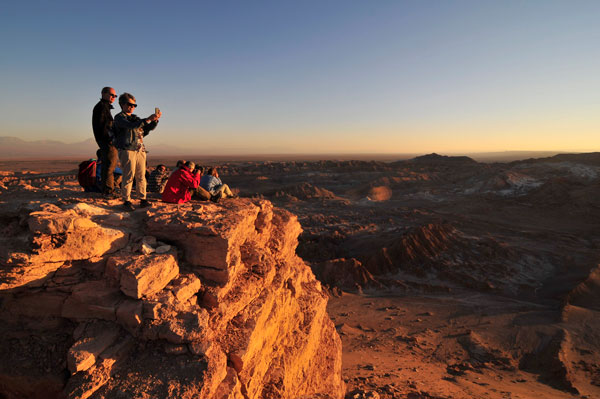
{"x":188,"y":301}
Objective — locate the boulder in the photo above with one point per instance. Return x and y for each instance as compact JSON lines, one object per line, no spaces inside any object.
{"x":149,"y":240}
{"x":84,"y":384}
{"x":163,"y":249}
{"x":19,"y":272}
{"x":114,"y":266}
{"x":185,"y":327}
{"x":145,"y":275}
{"x":84,"y":353}
{"x":66,"y":235}
{"x":53,"y":223}
{"x":77,"y":245}
{"x":185,"y":286}
{"x":146,"y":249}
{"x":210,"y":237}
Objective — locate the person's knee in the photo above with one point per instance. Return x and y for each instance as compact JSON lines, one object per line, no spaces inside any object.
{"x":201,"y":194}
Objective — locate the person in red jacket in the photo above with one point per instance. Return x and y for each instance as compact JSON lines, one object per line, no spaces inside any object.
{"x":181,"y":183}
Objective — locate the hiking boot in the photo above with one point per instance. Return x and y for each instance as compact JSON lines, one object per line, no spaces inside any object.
{"x":145,"y":203}
{"x":128,"y":206}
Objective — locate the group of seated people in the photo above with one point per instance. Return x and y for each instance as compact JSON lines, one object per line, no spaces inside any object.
{"x":182,"y":184}
{"x":186,"y":182}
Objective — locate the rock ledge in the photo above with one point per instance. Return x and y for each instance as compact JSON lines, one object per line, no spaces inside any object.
{"x":188,"y":301}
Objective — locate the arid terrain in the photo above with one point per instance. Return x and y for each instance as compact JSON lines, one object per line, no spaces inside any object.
{"x":446,"y":277}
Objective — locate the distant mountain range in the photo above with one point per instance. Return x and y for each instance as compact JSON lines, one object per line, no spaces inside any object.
{"x":508,"y":156}
{"x":587,"y":158}
{"x":16,"y":148}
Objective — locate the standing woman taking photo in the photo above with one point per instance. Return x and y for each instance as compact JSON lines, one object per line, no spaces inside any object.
{"x":129,"y":131}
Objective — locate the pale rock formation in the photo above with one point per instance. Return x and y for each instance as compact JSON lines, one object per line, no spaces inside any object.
{"x":221,"y":308}
{"x":146,"y":249}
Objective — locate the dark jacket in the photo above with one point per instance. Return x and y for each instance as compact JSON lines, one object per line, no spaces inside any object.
{"x":127,"y":130}
{"x":102,"y":122}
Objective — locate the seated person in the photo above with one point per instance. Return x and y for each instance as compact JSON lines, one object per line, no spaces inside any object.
{"x":211,"y":183}
{"x":199,"y":193}
{"x":180,"y":184}
{"x":158,"y":179}
{"x":179,"y":164}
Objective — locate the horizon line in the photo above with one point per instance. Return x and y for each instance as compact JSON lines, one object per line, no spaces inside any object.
{"x":310,"y":156}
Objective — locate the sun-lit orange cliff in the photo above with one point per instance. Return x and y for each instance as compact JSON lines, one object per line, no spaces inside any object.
{"x":190,"y":301}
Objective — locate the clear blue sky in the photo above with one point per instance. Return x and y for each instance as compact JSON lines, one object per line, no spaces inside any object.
{"x":311,"y":76}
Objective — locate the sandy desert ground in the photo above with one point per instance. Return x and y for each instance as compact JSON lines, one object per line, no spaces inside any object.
{"x":448,"y":278}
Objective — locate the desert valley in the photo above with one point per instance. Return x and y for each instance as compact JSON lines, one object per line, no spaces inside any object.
{"x":428,"y":278}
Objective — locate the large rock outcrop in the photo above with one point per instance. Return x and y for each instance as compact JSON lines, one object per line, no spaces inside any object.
{"x":178,"y":301}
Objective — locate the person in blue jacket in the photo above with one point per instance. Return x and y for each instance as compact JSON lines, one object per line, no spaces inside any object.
{"x":213,"y":184}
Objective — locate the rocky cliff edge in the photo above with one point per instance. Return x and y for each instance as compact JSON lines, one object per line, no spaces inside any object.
{"x":176,"y":301}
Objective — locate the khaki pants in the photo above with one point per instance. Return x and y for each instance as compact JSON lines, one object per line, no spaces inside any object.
{"x":224,"y":190}
{"x":133,"y":164}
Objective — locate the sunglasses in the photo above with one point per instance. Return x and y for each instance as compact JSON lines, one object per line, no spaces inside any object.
{"x":113,"y":95}
{"x":131,"y":105}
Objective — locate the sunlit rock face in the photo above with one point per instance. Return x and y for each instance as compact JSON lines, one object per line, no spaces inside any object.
{"x":177,"y":301}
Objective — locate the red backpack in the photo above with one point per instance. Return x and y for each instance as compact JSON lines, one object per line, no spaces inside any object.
{"x":87,"y":173}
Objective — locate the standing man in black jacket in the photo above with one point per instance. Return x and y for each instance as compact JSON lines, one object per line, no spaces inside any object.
{"x":102,"y":122}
